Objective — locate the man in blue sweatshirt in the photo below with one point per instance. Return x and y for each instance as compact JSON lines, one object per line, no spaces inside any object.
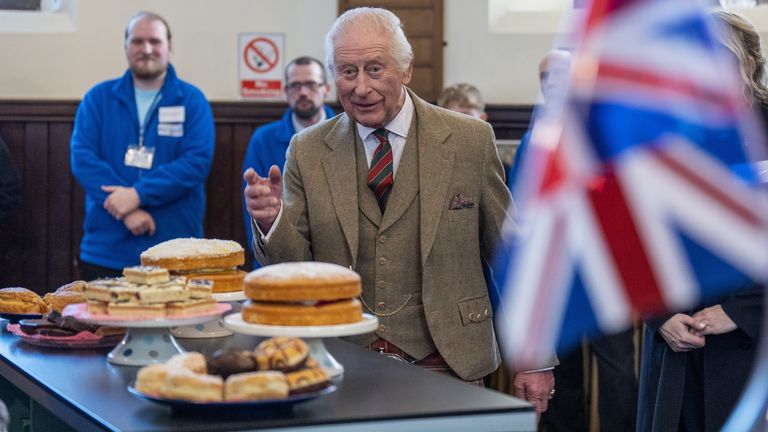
{"x":141,"y":149}
{"x":306,"y":87}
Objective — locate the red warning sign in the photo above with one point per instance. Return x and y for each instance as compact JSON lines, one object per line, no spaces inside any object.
{"x":261,"y":55}
{"x":261,"y":65}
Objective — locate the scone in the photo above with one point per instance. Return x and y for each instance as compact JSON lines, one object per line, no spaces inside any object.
{"x":186,"y":385}
{"x":150,"y":379}
{"x":252,"y":386}
{"x":193,"y":361}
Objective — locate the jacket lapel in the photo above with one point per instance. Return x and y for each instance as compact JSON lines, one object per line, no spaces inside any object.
{"x":342,"y":180}
{"x":436,"y":155}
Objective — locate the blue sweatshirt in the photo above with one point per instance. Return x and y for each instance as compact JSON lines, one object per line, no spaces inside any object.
{"x":172,"y":190}
{"x":267,"y":147}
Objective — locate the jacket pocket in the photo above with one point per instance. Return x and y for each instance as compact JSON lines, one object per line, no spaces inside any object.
{"x":475,"y":309}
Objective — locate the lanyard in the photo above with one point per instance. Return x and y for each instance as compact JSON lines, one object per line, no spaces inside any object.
{"x":143,"y":125}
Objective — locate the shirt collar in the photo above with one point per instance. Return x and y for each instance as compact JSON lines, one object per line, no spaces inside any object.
{"x":399,"y":125}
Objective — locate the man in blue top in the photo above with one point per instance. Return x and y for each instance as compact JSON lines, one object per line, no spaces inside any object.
{"x":141,"y":148}
{"x":306,"y":87}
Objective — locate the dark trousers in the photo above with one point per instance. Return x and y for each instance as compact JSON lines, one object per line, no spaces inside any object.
{"x":617,"y":388}
{"x":89,"y":272}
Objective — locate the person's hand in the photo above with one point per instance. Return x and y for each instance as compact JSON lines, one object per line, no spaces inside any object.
{"x":262,"y":196}
{"x":714,"y":320}
{"x":680,"y":333}
{"x":121,"y":200}
{"x":535,"y":387}
{"x":139,"y":222}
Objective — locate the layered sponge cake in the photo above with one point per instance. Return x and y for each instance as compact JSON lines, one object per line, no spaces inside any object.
{"x":200,"y":259}
{"x":194,"y":254}
{"x":302,"y":294}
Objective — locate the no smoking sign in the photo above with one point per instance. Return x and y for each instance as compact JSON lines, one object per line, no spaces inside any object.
{"x":261,"y":65}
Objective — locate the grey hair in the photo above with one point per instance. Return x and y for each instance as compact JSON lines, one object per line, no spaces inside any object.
{"x":371,"y":20}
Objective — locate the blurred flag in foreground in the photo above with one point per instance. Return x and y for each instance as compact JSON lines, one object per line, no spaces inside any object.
{"x":629,"y":199}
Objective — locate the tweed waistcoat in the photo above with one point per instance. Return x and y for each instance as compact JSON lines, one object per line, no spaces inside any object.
{"x":388,"y":265}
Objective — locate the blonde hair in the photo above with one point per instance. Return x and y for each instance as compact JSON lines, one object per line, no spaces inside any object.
{"x":741,"y":38}
{"x":462,"y":94}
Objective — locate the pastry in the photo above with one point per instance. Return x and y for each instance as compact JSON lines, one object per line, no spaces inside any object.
{"x":58,"y":300}
{"x":281,"y":353}
{"x":231,"y":361}
{"x":19,"y":300}
{"x":164,"y":292}
{"x":75,"y":286}
{"x":307,"y":380}
{"x":133,"y":311}
{"x":190,"y":307}
{"x":200,"y":288}
{"x":150,"y":379}
{"x":186,"y":385}
{"x":301,"y":314}
{"x":223,"y":281}
{"x":194,"y":254}
{"x":193,"y":361}
{"x":96,"y":307}
{"x":252,"y":386}
{"x":146,"y":275}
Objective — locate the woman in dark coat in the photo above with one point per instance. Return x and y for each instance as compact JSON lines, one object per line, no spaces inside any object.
{"x":694,"y":366}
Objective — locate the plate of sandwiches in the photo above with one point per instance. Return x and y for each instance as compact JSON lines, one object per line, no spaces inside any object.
{"x":279,"y":372}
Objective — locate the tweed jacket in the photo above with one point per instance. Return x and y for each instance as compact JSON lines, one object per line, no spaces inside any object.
{"x":463,"y":202}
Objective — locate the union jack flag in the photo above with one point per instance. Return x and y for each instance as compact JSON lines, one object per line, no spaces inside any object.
{"x":629,"y":203}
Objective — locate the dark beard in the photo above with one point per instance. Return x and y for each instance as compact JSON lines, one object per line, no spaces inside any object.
{"x":307,"y":113}
{"x":148,"y":75}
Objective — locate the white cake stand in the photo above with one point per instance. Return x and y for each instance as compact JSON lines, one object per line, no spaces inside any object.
{"x":146,"y":341}
{"x":214,"y":328}
{"x":311,"y":334}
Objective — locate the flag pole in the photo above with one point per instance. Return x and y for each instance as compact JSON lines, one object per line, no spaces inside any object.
{"x":751,"y":413}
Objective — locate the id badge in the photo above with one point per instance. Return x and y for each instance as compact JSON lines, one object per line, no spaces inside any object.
{"x":139,"y":157}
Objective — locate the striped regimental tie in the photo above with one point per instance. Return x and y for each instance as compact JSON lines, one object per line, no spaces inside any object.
{"x":380,"y":176}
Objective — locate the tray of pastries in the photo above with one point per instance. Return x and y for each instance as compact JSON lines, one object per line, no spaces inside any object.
{"x":17,"y":303}
{"x":278,"y":372}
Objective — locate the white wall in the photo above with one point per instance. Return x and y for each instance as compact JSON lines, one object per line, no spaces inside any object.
{"x":66,"y":63}
{"x":499,"y":54}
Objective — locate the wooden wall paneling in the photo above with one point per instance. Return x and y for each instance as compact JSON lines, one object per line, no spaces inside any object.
{"x":218,"y":217}
{"x":59,"y":266}
{"x":35,"y":206}
{"x":11,"y":229}
{"x":77,"y":207}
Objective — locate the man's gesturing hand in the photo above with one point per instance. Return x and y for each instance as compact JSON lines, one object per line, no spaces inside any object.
{"x":262,"y":196}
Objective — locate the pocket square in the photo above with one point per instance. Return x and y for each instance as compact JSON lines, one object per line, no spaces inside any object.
{"x":460,"y":201}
